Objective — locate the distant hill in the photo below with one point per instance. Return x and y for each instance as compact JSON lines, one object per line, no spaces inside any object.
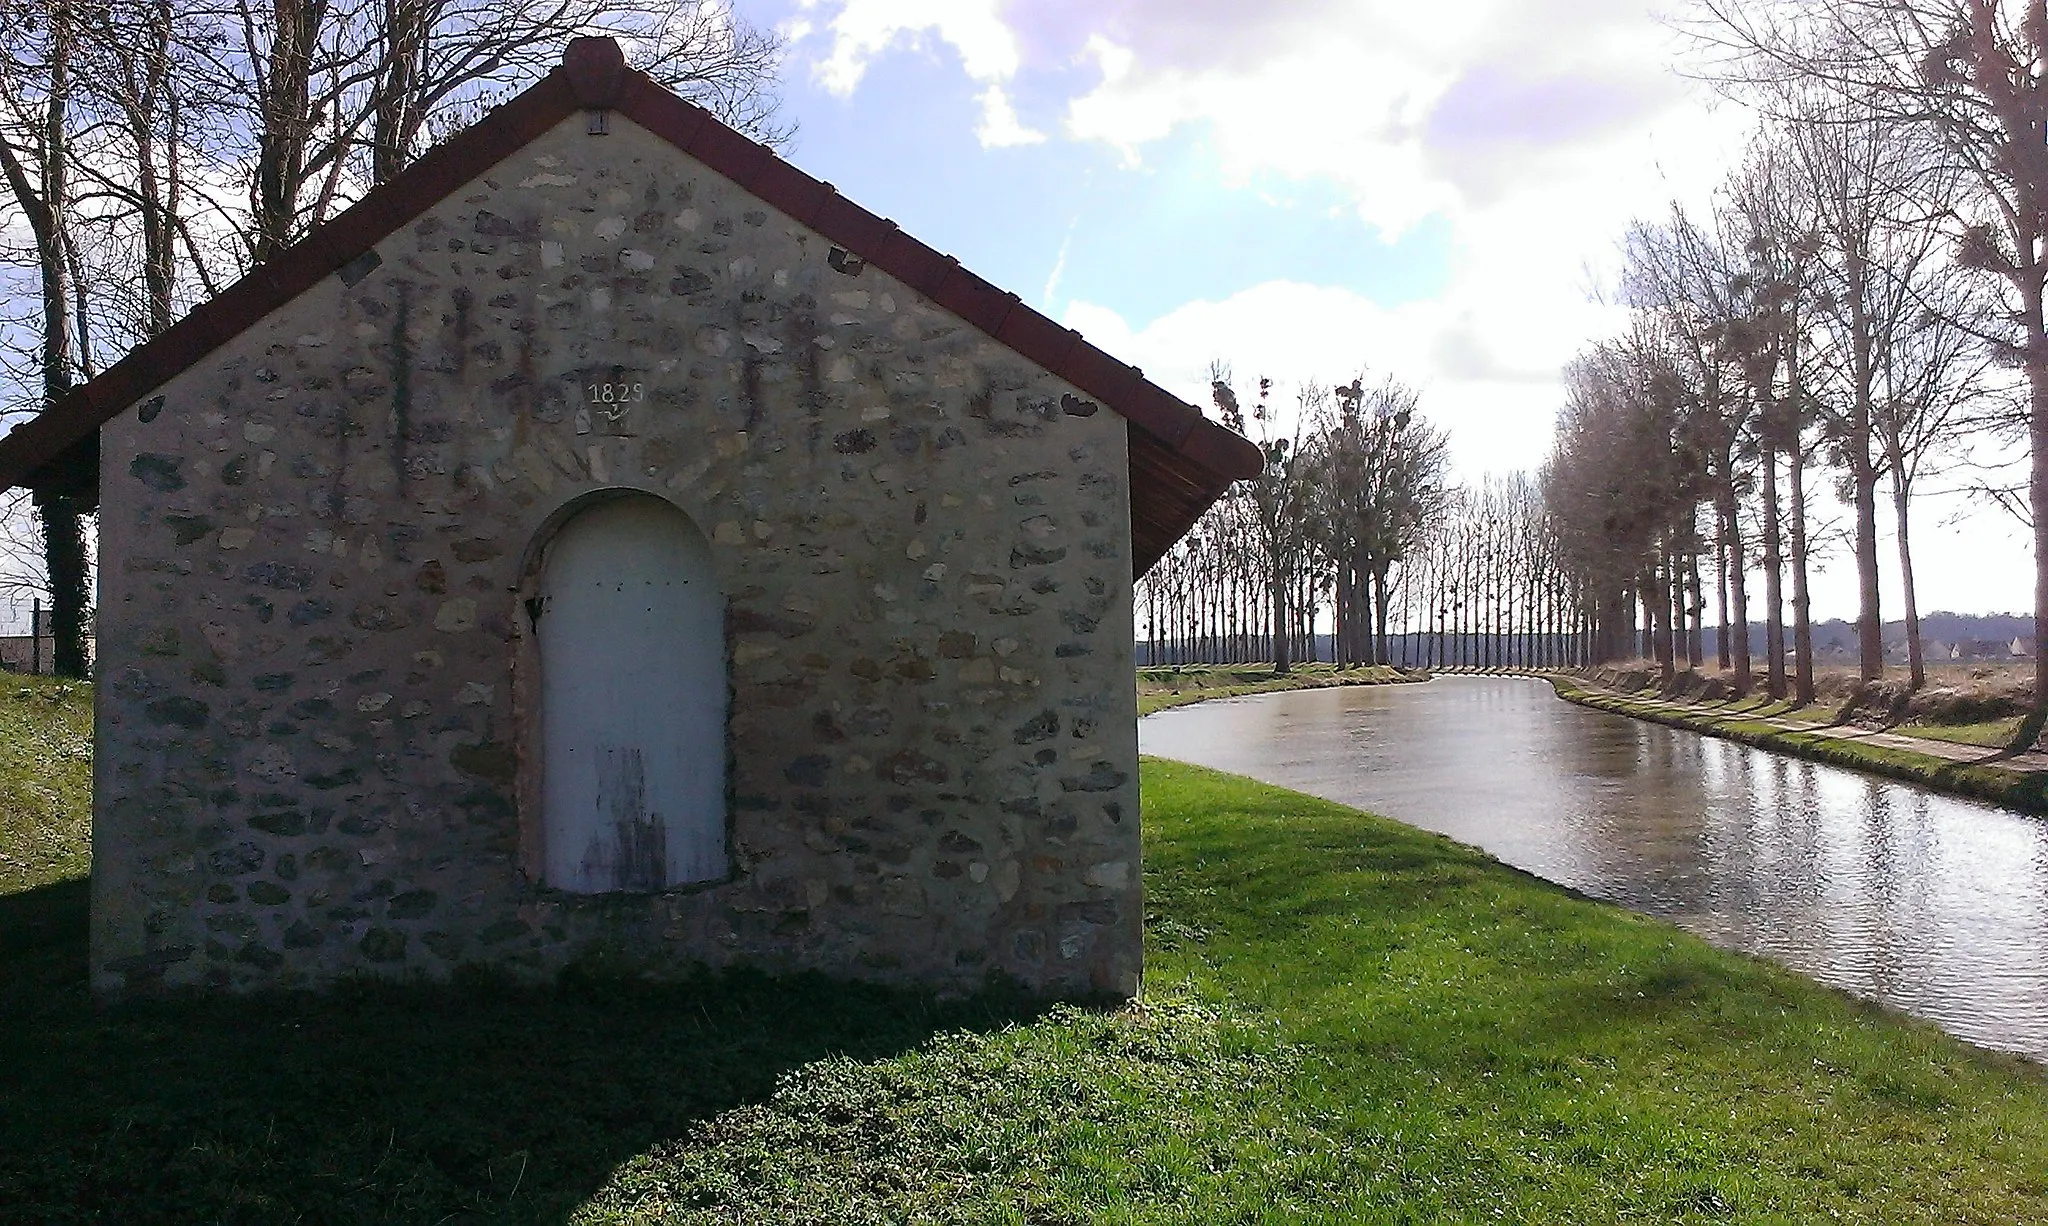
{"x":1836,"y":637}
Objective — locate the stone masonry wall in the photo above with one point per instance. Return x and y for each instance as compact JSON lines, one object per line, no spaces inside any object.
{"x":314,"y":742}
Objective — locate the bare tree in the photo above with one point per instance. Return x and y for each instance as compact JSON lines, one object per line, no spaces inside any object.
{"x":1777,"y":237}
{"x":1380,"y":487}
{"x":36,"y":129}
{"x":1352,"y":495}
{"x":1968,"y":70}
{"x":1855,"y":171}
{"x":1278,"y":495}
{"x":1934,"y":375}
{"x":1697,"y":283}
{"x":1621,"y":486}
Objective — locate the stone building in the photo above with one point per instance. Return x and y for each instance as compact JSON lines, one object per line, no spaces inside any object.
{"x":607,"y":543}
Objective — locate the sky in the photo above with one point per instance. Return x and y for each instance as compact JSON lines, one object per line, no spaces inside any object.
{"x":1308,"y":189}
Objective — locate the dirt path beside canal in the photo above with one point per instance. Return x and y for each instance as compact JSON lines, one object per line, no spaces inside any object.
{"x":2016,"y":781}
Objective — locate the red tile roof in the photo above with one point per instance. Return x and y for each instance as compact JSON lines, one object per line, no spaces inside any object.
{"x":1180,"y":461}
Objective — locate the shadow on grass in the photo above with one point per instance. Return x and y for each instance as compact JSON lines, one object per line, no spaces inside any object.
{"x":477,"y":1101}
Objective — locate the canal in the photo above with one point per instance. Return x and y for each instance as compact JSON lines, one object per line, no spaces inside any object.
{"x":1934,"y":905}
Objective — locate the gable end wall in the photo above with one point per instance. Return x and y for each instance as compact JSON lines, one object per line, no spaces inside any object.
{"x":315,"y":738}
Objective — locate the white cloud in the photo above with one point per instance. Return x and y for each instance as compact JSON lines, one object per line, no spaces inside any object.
{"x":861,"y":30}
{"x":1301,"y":114}
{"x":1499,"y":410}
{"x":1536,"y":131}
{"x":1000,"y":128}
{"x":1416,"y":109}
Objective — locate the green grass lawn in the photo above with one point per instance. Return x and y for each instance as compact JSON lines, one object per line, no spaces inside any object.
{"x":1180,"y":684}
{"x":1989,"y":733}
{"x":45,"y":781}
{"x":1345,"y":1020}
{"x":1993,"y":733}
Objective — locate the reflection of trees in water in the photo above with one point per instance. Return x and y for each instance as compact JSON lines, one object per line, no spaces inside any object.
{"x":1603,"y":745}
{"x":1727,"y":843}
{"x":1884,"y":941}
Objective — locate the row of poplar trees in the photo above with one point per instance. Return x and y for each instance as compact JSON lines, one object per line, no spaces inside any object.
{"x":153,"y":151}
{"x":1354,"y":525}
{"x":1863,"y":297}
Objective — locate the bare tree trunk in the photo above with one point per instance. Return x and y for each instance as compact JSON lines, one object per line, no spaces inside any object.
{"x":1695,"y":645}
{"x":1379,"y":582}
{"x":286,"y":86}
{"x":1854,"y":236}
{"x":1461,"y":613}
{"x":1279,"y":598}
{"x":1361,"y":611}
{"x":2036,"y":358}
{"x":1721,"y":655}
{"x":1673,"y":608}
{"x":1152,"y":624}
{"x":1738,"y":595}
{"x":397,"y":115}
{"x":1657,"y":605}
{"x":1503,"y":604}
{"x":1774,"y":580}
{"x":1360,"y":615}
{"x":1802,"y":608}
{"x":1608,"y":612}
{"x":1341,"y":596}
{"x":1494,"y":598}
{"x":1916,"y":662}
{"x":1863,"y":477}
{"x":1552,"y":622}
{"x":1305,"y":619}
{"x":1446,"y":593}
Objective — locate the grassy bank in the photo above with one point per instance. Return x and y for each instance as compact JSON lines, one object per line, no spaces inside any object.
{"x":1345,"y":1020}
{"x":45,"y":781}
{"x":1743,"y":720}
{"x":1178,"y":685}
{"x":1976,"y":703}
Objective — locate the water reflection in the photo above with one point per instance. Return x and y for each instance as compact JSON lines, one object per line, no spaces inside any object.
{"x":1936,"y":905}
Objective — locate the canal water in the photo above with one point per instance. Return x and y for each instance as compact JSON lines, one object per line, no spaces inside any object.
{"x":1934,"y":905}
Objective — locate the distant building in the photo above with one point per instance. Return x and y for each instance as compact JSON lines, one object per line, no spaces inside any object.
{"x":21,"y":653}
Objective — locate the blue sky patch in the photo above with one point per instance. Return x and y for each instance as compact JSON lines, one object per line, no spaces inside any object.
{"x":1140,"y":240}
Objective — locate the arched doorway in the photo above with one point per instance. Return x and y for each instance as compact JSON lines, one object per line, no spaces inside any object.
{"x":630,"y":624}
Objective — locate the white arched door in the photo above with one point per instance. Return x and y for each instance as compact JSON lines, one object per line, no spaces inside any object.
{"x":631,"y":630}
